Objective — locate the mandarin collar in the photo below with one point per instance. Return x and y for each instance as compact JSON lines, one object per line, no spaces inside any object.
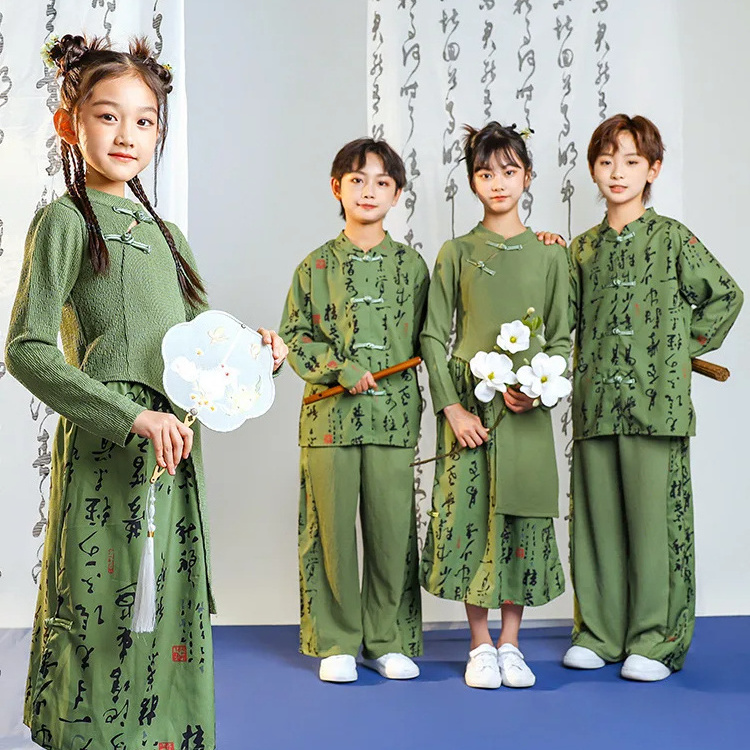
{"x":487,"y":234}
{"x":343,"y":243}
{"x":107,"y":199}
{"x":606,"y":231}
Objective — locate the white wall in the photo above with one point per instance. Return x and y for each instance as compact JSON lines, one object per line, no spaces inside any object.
{"x":259,"y":201}
{"x":716,"y":61}
{"x":274,"y":89}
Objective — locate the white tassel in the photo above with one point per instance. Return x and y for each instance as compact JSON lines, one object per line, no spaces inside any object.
{"x":144,"y":610}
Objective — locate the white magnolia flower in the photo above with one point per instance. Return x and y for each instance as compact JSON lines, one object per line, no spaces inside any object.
{"x":544,"y":378}
{"x":495,"y":372}
{"x":514,"y":337}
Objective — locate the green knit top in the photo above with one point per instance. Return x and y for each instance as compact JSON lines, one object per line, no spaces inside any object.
{"x":111,"y":325}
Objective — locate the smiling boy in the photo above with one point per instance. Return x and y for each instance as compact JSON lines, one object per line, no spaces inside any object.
{"x":356,"y":306}
{"x":646,"y":297}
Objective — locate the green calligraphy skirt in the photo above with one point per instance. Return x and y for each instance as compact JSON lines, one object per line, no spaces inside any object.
{"x":474,"y":551}
{"x":93,"y":684}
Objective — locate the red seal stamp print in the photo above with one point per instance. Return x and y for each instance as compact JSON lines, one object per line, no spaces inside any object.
{"x":111,"y":561}
{"x":333,"y":364}
{"x":316,"y":319}
{"x":328,"y":438}
{"x":521,"y":552}
{"x":320,"y":263}
{"x":179,"y":653}
{"x":166,"y":746}
{"x":693,"y":240}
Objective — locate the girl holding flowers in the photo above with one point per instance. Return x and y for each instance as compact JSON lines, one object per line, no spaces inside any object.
{"x":491,"y":541}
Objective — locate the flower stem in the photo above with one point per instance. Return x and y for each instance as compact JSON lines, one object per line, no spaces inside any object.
{"x":456,"y":449}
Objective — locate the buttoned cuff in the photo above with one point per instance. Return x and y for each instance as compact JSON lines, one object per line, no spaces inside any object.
{"x":350,"y":374}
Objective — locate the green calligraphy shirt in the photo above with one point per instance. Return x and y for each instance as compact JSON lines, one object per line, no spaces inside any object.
{"x":347,"y":312}
{"x":643,"y":302}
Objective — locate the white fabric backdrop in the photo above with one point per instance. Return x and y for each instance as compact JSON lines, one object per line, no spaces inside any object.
{"x":556,"y":66}
{"x":31,"y":176}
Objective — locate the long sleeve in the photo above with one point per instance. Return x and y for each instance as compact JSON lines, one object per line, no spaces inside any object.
{"x":55,"y":249}
{"x":420,"y":304}
{"x":574,"y":286}
{"x":556,"y":322}
{"x":316,"y":362}
{"x":713,"y":293}
{"x":441,"y":304}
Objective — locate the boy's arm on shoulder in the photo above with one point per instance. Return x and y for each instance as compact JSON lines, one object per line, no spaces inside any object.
{"x":314,"y":361}
{"x":56,"y":246}
{"x":556,"y":314}
{"x":705,"y":284}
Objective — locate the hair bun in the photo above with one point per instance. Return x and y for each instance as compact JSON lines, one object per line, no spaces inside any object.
{"x":140,"y":49}
{"x":67,"y":53}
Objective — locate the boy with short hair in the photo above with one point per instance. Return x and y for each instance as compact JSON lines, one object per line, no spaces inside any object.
{"x":356,"y":306}
{"x":646,"y":297}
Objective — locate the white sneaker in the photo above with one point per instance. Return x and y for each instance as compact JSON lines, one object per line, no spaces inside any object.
{"x":481,"y":669}
{"x":514,"y":671}
{"x":637,"y":667}
{"x":394,"y":666}
{"x":338,"y":668}
{"x":580,"y":657}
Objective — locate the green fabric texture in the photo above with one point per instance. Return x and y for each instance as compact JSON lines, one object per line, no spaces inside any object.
{"x":473,"y":551}
{"x":335,"y":617}
{"x":520,"y":457}
{"x":348,"y":312}
{"x":643,"y":302}
{"x":528,"y":274}
{"x":92,"y":682}
{"x":491,"y":537}
{"x":111,"y":325}
{"x":632,"y":547}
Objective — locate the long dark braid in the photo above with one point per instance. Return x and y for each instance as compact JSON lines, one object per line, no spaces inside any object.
{"x":81,"y":65}
{"x":190,"y":283}
{"x":76,"y":184}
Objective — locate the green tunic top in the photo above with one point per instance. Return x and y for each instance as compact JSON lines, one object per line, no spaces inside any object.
{"x":111,"y":325}
{"x":347,"y":312}
{"x":488,"y":280}
{"x":643,"y":302}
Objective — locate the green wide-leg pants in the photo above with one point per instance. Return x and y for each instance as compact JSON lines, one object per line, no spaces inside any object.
{"x":336,"y":617}
{"x":632,"y":556}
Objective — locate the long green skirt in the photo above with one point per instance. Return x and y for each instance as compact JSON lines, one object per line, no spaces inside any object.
{"x":474,"y":553}
{"x":93,"y":684}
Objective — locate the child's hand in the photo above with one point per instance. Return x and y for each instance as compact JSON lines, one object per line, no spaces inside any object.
{"x":278,"y":347}
{"x":172,"y":439}
{"x":366,"y":382}
{"x":550,"y":238}
{"x":518,"y":402}
{"x":467,"y":427}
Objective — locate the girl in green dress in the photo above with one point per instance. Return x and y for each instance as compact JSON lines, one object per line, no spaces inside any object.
{"x":491,"y":540}
{"x":111,"y":277}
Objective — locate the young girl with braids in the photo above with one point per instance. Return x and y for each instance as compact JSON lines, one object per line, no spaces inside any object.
{"x":491,"y":540}
{"x":112,"y":278}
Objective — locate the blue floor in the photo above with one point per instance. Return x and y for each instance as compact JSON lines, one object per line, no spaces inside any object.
{"x":269,"y":697}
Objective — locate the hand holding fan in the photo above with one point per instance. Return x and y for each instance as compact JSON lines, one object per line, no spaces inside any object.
{"x":219,"y":371}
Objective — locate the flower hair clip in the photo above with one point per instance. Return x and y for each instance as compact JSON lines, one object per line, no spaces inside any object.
{"x":46,"y":51}
{"x":167,"y":67}
{"x":526,"y":133}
